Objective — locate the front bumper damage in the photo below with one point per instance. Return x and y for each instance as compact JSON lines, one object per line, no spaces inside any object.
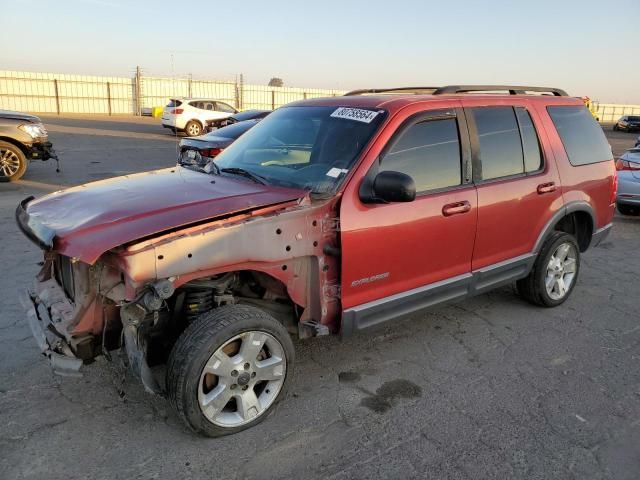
{"x":52,"y":344}
{"x":42,"y":150}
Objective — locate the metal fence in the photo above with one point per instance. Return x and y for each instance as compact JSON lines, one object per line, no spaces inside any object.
{"x":609,"y":112}
{"x":56,"y":93}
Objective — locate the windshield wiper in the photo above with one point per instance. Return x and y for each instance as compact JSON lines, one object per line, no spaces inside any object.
{"x":244,"y":173}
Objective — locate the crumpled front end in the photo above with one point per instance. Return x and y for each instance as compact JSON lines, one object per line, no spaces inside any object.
{"x":67,"y":315}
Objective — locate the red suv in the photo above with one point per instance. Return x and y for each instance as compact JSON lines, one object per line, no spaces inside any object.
{"x":331,"y":215}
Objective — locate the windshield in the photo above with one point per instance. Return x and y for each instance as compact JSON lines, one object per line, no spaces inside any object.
{"x":634,"y":119}
{"x":304,"y":147}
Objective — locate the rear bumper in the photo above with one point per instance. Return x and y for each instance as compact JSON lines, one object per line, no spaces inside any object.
{"x":173,"y":122}
{"x":51,"y":343}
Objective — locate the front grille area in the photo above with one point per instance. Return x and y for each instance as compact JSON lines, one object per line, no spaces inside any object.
{"x":64,"y":274}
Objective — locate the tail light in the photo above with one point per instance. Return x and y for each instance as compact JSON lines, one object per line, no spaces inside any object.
{"x":627,"y":165}
{"x":177,"y":111}
{"x":210,"y":152}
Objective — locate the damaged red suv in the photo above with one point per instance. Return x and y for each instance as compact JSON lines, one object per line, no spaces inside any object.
{"x":330,"y":216}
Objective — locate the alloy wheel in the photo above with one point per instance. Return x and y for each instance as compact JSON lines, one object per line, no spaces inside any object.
{"x":9,"y":163}
{"x":193,"y":130}
{"x":242,"y":379}
{"x":561,"y":271}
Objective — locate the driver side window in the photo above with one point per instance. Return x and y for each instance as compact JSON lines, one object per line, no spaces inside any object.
{"x":429,"y":152}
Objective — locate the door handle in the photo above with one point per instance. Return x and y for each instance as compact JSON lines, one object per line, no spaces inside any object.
{"x":456,"y":208}
{"x":546,"y":188}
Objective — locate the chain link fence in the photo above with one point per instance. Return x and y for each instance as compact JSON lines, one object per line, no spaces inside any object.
{"x":55,"y":93}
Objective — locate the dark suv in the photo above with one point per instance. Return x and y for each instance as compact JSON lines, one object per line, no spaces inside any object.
{"x":331,"y":215}
{"x":628,"y":123}
{"x":22,"y":138}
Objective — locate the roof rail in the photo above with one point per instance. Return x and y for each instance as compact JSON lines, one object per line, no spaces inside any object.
{"x":416,"y":90}
{"x":512,"y":89}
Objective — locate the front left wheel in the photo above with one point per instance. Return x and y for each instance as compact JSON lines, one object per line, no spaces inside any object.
{"x":228,"y":369}
{"x":13,"y":163}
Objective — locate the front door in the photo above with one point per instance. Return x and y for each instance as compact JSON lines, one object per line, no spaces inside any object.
{"x":391,"y":249}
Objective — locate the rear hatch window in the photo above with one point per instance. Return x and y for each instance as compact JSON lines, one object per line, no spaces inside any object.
{"x":173,"y":103}
{"x":582,"y":137}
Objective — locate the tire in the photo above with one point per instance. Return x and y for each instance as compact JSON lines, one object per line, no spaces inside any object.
{"x":13,"y":162}
{"x":628,"y":209}
{"x":533,"y":288}
{"x":193,"y":128}
{"x":615,"y":127}
{"x":224,"y":341}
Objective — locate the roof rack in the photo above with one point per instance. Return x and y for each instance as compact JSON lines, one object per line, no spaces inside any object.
{"x":452,"y":89}
{"x":512,"y":89}
{"x":416,"y":90}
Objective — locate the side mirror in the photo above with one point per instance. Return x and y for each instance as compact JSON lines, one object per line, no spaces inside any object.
{"x":394,"y":187}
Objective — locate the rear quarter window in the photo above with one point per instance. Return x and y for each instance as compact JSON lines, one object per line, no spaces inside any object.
{"x":582,"y":137}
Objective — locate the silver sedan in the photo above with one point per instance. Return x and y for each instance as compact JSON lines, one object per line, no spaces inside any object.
{"x":628,"y":167}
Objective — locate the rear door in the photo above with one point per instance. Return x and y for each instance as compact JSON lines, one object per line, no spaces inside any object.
{"x":393,"y":248}
{"x":516,"y":179}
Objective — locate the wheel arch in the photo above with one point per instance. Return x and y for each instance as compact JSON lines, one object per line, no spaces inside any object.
{"x":15,"y":143}
{"x":576,"y":218}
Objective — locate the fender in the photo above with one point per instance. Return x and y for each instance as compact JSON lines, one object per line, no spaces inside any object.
{"x":571,"y":207}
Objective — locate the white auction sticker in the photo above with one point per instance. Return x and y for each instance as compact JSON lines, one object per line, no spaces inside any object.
{"x":336,"y":172}
{"x":357,"y":114}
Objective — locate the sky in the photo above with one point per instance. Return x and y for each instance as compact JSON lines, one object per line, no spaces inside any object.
{"x":585,"y":47}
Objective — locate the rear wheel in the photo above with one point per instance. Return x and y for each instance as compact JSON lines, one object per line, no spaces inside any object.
{"x":193,"y":128}
{"x":228,"y":369}
{"x":554,"y":272}
{"x":628,"y":209}
{"x":13,"y":162}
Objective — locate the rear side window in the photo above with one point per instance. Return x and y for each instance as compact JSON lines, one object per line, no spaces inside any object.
{"x":530,"y":142}
{"x":500,"y":143}
{"x":223,"y":107}
{"x":429,"y":152}
{"x":582,"y":137}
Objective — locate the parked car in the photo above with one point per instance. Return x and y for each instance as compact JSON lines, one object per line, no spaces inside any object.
{"x":637,"y":142}
{"x":237,"y":117}
{"x":628,"y":167}
{"x":22,"y":138}
{"x":198,"y":151}
{"x":628,"y":123}
{"x":190,"y":115}
{"x":330,"y":216}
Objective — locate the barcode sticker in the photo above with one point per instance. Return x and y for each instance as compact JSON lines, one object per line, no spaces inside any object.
{"x":357,"y":114}
{"x":336,"y":172}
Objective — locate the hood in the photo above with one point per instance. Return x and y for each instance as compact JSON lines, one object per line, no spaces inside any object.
{"x":19,"y":116}
{"x":88,"y":220}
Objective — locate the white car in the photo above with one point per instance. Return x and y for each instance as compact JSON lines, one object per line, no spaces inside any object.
{"x":191,"y":115}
